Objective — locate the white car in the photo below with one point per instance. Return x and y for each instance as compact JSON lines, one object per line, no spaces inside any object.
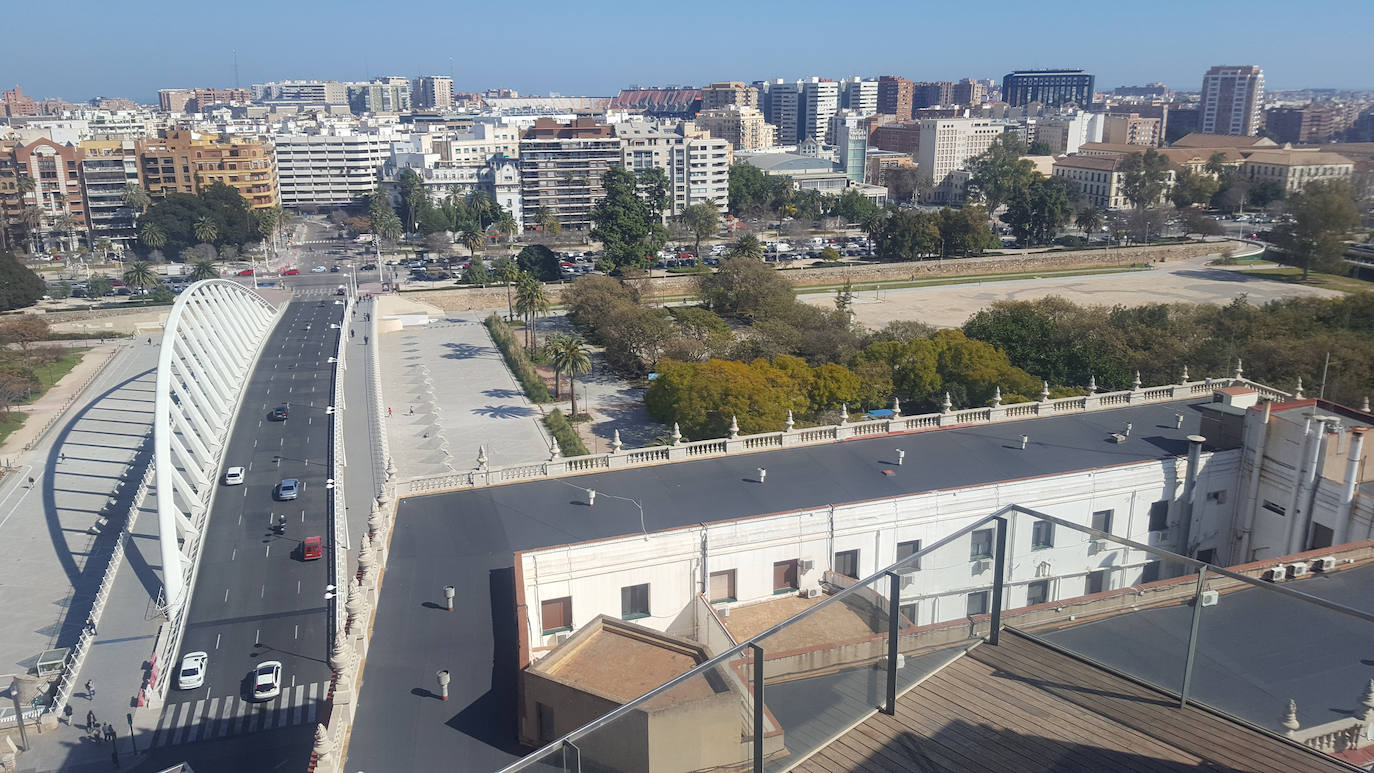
{"x":192,"y":672}
{"x":233,"y":476}
{"x":318,"y":270}
{"x":267,"y":680}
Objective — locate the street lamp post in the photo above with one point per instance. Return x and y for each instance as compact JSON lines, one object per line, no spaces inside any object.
{"x":133,"y":742}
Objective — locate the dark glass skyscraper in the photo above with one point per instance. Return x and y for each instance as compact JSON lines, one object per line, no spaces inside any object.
{"x":1052,"y":88}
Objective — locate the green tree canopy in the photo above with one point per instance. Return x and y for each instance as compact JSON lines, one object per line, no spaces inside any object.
{"x":629,"y":229}
{"x":19,"y":286}
{"x":746,"y":287}
{"x":540,"y":261}
{"x":1323,"y":215}
{"x":1037,"y":212}
{"x":1000,"y":171}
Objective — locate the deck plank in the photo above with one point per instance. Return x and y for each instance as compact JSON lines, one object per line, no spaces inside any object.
{"x":1023,"y":706}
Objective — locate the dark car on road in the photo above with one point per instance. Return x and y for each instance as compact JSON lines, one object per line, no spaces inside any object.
{"x":279,"y":413}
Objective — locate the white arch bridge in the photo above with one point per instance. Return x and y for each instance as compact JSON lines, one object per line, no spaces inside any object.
{"x":212,"y":339}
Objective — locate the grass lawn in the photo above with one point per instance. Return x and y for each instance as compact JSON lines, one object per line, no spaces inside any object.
{"x":9,"y":422}
{"x":1329,"y":281}
{"x":50,"y":374}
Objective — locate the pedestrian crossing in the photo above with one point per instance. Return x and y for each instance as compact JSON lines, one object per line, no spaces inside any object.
{"x":225,"y":716}
{"x":315,"y":291}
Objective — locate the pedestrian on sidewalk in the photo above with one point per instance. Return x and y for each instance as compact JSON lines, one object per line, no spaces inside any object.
{"x":90,"y":690}
{"x":110,"y":733}
{"x":388,"y":412}
{"x":90,"y":720}
{"x":30,"y":481}
{"x":67,"y":712}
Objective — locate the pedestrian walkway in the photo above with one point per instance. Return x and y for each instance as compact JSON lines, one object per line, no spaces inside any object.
{"x":44,"y":410}
{"x":449,"y":395}
{"x":229,"y":715}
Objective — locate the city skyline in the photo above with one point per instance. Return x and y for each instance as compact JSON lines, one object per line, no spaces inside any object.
{"x":718,"y":42}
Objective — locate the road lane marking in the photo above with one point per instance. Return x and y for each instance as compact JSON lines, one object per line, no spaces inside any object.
{"x":257,"y":636}
{"x":268,"y":554}
{"x":298,"y":587}
{"x":234,"y":555}
{"x":217,"y":641}
{"x":297,"y":628}
{"x":226,"y":595}
{"x":262,"y":593}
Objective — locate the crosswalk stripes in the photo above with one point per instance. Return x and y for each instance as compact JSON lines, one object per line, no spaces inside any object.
{"x":223,"y":716}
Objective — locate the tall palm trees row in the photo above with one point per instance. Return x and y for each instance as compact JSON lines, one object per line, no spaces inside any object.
{"x":568,"y":354}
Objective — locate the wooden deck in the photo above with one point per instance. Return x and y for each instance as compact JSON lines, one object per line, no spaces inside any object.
{"x":1022,"y":706}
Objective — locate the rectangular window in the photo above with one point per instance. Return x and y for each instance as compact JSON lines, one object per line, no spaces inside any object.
{"x":1274,"y":508}
{"x":1096,"y":583}
{"x":978,"y":603}
{"x":1102,"y":521}
{"x":1207,"y":555}
{"x":1159,"y":515}
{"x":1042,"y":535}
{"x":634,"y":601}
{"x":1321,"y":537}
{"x":980,"y":545}
{"x":556,"y":615}
{"x":1150,"y":572}
{"x":909,"y":548}
{"x":1037,"y":592}
{"x":785,"y":576}
{"x":847,"y":563}
{"x":723,"y":585}
{"x":908,"y":611}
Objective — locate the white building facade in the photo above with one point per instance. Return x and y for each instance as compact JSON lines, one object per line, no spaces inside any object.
{"x":330,"y":168}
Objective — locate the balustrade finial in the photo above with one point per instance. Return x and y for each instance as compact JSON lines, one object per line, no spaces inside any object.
{"x":1290,"y":716}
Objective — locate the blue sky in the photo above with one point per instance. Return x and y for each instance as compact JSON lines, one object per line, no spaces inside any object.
{"x":594,"y":47}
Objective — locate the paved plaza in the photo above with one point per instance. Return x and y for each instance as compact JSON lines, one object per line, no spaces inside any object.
{"x":449,"y":393}
{"x":1184,"y":281}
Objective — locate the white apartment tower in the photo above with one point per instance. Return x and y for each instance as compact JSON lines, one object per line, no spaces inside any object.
{"x":859,"y":95}
{"x":433,"y":92}
{"x":1232,"y":98}
{"x":821,"y":99}
{"x":947,"y":144}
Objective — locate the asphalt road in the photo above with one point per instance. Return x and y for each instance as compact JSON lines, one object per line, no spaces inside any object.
{"x":255,"y":598}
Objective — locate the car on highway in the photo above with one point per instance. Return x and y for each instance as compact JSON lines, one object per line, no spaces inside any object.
{"x":369,"y":267}
{"x":246,"y":272}
{"x":318,"y":270}
{"x":288,"y":489}
{"x":291,"y":272}
{"x":267,"y":680}
{"x":312,"y":548}
{"x":233,"y":476}
{"x":192,"y":672}
{"x":279,"y":413}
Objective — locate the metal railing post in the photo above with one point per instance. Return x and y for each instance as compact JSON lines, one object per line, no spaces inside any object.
{"x":999,"y":554}
{"x":1192,"y":637}
{"x":758,"y":707}
{"x":894,"y":604}
{"x":571,"y":763}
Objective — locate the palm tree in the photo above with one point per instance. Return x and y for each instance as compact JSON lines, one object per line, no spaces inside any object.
{"x":29,"y":219}
{"x":203,"y":269}
{"x":103,"y":245}
{"x":152,"y":236}
{"x":508,"y":272}
{"x":748,"y":246}
{"x":63,"y":223}
{"x":505,"y":225}
{"x":140,"y":275}
{"x":206,"y":229}
{"x":135,"y":196}
{"x":531,"y":301}
{"x":570,"y":355}
{"x":1089,"y":220}
{"x":471,"y":238}
{"x":551,"y":343}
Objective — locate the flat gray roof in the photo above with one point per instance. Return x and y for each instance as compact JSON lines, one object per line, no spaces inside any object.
{"x":469,"y":538}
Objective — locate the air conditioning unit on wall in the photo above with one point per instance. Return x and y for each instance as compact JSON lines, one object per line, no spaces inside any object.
{"x":812,"y":593}
{"x":1277,"y":573}
{"x":1325,"y":564}
{"x":1297,"y":569}
{"x":1210,"y":598}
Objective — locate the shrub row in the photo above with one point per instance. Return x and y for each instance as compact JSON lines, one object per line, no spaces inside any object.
{"x":569,"y":443}
{"x":516,"y":359}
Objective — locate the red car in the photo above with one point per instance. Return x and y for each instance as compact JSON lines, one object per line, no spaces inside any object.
{"x":246,"y":272}
{"x":291,"y":272}
{"x":311,"y":549}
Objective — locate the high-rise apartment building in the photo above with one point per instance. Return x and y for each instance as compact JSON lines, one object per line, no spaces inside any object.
{"x":1232,"y":97}
{"x":969,"y":92}
{"x":782,"y":105}
{"x":390,"y":94}
{"x":743,"y":127}
{"x":306,"y":92}
{"x":820,"y":100}
{"x":13,"y":102}
{"x":859,"y":95}
{"x":433,"y":92}
{"x":185,"y":162}
{"x":330,"y":168}
{"x":54,"y":171}
{"x":932,"y":94}
{"x":107,"y":167}
{"x":697,"y":164}
{"x":851,"y":143}
{"x":723,"y":94}
{"x":1307,"y":124}
{"x":1132,"y":129}
{"x":946,"y":145}
{"x":895,"y":96}
{"x":193,"y":100}
{"x":561,"y":166}
{"x":1052,"y":88}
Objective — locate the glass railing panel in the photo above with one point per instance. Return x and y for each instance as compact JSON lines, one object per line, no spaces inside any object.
{"x":1126,"y":608}
{"x":558,"y":759}
{"x":825,"y":671}
{"x":703,"y":723}
{"x":945,"y":599}
{"x":1257,"y":649}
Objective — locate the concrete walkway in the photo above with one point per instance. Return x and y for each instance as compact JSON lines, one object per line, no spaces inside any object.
{"x":56,"y":400}
{"x":59,"y":536}
{"x":449,"y":393}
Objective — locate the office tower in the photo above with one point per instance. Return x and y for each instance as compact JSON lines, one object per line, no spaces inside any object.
{"x":1232,"y":98}
{"x":1052,"y":88}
